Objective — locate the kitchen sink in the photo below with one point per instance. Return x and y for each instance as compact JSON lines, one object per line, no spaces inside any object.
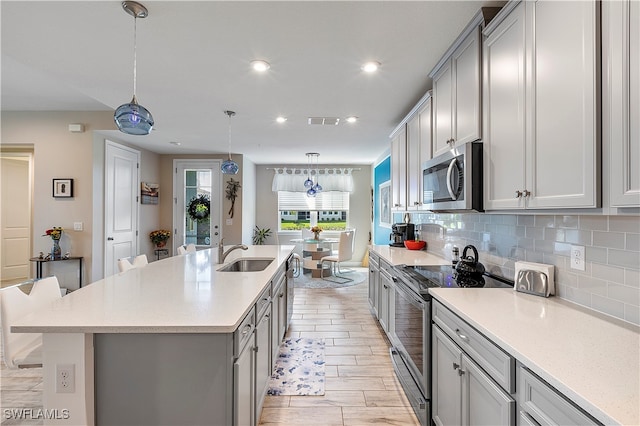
{"x":247,"y":264}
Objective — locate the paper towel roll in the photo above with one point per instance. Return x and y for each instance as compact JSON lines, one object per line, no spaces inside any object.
{"x":547,"y":269}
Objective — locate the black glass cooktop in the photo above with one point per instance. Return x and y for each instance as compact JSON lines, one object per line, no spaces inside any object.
{"x":421,"y":278}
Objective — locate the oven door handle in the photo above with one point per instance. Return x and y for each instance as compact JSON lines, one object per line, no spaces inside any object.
{"x":396,"y":357}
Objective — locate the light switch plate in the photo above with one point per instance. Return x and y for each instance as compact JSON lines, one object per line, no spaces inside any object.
{"x":77,"y":226}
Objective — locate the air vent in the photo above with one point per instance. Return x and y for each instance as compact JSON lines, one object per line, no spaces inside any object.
{"x":324,"y":121}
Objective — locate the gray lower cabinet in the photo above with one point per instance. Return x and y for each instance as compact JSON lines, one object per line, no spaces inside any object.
{"x":463,"y":394}
{"x":263,"y":360}
{"x":386,"y":300}
{"x":540,"y":404}
{"x":374,"y":272}
{"x":243,"y":386}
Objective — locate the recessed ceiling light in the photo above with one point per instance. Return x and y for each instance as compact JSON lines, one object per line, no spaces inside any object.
{"x":351,"y":119}
{"x":371,"y":66}
{"x":281,"y":119}
{"x":260,"y":65}
{"x":175,"y":143}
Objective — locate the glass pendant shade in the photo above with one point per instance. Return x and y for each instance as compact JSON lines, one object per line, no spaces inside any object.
{"x":311,"y":192}
{"x":229,"y":167}
{"x":308,"y":183}
{"x":133,"y":118}
{"x":317,"y":187}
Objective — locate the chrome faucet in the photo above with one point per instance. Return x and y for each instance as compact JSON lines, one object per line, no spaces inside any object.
{"x":222,"y":255}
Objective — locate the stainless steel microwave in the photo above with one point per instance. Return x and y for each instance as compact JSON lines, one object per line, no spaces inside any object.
{"x":453,"y":181}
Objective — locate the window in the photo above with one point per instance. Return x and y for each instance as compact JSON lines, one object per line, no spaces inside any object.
{"x":296,"y":210}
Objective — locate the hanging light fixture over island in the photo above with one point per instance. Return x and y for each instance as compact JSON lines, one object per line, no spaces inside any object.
{"x":132,"y":118}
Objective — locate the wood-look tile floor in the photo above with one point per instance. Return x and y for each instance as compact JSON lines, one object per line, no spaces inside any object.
{"x":360,"y":385}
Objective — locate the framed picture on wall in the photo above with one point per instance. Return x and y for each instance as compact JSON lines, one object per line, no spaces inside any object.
{"x":384,"y":189}
{"x":63,"y":188}
{"x":149,"y":193}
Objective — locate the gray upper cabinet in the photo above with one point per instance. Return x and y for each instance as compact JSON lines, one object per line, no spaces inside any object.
{"x":541,"y":119}
{"x":457,"y":86}
{"x":621,"y":100}
{"x":399,"y":169}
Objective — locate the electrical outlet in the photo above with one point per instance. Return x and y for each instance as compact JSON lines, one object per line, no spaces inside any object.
{"x":577,"y":257}
{"x":65,"y":378}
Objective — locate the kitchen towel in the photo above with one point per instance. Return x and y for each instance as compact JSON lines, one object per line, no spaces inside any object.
{"x":299,"y":369}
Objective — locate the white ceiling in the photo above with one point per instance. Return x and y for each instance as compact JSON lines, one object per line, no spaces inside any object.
{"x":193,"y":63}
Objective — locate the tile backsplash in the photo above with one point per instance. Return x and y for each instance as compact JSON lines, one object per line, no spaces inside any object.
{"x":610,"y":282}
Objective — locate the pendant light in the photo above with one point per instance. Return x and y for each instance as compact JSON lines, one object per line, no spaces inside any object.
{"x":132,"y":118}
{"x":312,"y":188}
{"x":317,"y":186}
{"x":308,"y":183}
{"x":229,"y":167}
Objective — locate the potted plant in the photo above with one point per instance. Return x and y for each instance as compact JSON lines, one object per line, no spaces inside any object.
{"x":260,"y":235}
{"x":159,"y":237}
{"x":199,"y":208}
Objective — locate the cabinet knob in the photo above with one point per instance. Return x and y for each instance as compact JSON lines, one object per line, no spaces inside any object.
{"x":461,"y":372}
{"x":416,"y":203}
{"x":456,"y":366}
{"x":518,"y":194}
{"x":526,"y":193}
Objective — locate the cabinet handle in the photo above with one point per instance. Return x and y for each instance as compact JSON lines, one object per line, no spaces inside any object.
{"x":462,"y":336}
{"x":266,"y":318}
{"x":461,"y":372}
{"x":456,"y":366}
{"x":281,"y":295}
{"x":518,"y":194}
{"x":247,"y":329}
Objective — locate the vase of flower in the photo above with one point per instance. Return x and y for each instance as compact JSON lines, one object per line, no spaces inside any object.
{"x":316,"y":232}
{"x":55,"y":233}
{"x":56,"y":251}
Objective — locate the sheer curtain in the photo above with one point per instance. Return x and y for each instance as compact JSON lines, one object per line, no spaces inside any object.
{"x":331,"y":179}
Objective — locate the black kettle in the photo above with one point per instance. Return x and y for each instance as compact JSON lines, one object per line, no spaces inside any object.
{"x":468,"y":266}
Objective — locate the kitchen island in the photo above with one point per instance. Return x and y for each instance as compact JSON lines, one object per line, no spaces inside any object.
{"x":171,"y":326}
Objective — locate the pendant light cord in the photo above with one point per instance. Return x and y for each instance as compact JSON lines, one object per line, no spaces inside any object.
{"x":230,"y":114}
{"x":135,"y":45}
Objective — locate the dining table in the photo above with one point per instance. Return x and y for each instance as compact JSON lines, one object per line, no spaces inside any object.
{"x":313,"y":250}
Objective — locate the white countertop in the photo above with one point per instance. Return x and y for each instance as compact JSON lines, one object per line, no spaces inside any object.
{"x":592,"y":359}
{"x":179,"y":294}
{"x":403,"y":256}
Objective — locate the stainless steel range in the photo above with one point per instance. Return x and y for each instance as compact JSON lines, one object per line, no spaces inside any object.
{"x":411,"y":334}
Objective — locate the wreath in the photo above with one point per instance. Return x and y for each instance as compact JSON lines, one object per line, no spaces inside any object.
{"x":199,"y":208}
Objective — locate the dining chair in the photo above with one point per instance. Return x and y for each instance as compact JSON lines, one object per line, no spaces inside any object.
{"x":345,"y":252}
{"x":138,"y":262}
{"x":189,"y":248}
{"x":24,"y":350}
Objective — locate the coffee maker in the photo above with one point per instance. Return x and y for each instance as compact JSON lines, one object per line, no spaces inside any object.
{"x":400,"y":232}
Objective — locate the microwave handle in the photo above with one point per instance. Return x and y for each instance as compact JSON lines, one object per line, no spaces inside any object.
{"x":449,"y":172}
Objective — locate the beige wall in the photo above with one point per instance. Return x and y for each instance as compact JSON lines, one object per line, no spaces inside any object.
{"x":59,"y":153}
{"x":359,"y":206}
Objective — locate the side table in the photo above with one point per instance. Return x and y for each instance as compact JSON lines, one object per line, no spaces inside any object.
{"x":39,"y":263}
{"x":161,"y":251}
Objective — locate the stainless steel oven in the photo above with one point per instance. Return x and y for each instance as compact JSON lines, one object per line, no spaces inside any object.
{"x":411,"y":330}
{"x":410,"y":353}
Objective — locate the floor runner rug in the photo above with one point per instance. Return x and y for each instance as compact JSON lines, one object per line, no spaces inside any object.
{"x":299,"y":369}
{"x":306,"y":281}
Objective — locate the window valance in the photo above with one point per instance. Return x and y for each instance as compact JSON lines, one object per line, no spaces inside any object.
{"x":331,"y":179}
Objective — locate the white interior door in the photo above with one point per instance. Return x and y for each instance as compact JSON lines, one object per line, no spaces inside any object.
{"x":122,"y":185}
{"x":191,"y":179}
{"x":15,"y":217}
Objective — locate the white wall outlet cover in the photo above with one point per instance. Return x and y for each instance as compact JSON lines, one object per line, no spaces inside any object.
{"x":77,"y":226}
{"x":229,"y":222}
{"x":65,"y":378}
{"x":577,"y":260}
